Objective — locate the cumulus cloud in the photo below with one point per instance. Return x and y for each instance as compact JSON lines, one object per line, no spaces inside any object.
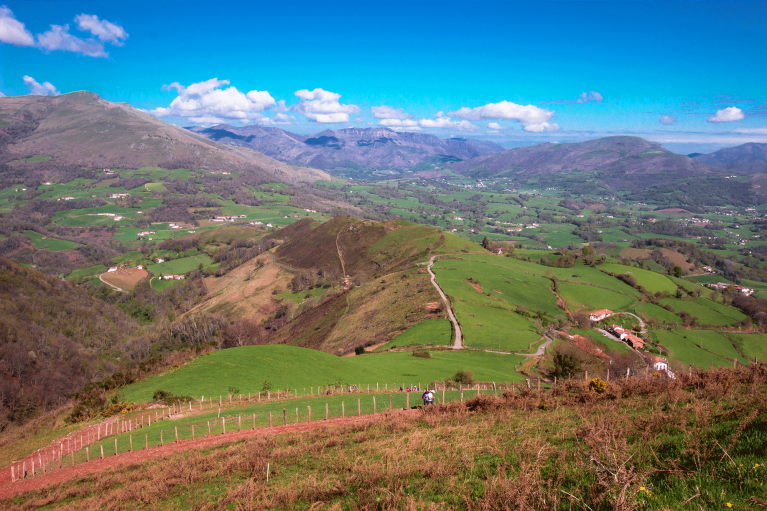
{"x":531,"y":117}
{"x":40,"y":89}
{"x":586,"y":97}
{"x":728,"y":114}
{"x":387,"y":112}
{"x":667,"y":120}
{"x":104,"y":30}
{"x":13,"y":31}
{"x":404,"y":123}
{"x":282,"y":119}
{"x":208,"y":102}
{"x":444,"y":122}
{"x":495,"y":126}
{"x":752,"y":131}
{"x":58,"y":38}
{"x":322,"y":106}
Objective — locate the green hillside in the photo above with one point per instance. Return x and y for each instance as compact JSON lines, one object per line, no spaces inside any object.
{"x":248,"y":367}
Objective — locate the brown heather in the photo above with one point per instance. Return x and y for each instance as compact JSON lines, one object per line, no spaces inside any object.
{"x":572,"y":448}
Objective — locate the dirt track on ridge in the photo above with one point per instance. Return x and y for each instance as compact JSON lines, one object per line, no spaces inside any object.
{"x":9,"y":490}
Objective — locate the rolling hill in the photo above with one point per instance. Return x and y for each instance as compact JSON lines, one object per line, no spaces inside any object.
{"x":623,"y":163}
{"x":353,"y":148}
{"x":81,"y":129}
{"x":748,"y":158}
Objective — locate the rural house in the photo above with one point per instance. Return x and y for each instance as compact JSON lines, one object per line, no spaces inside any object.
{"x":600,"y":314}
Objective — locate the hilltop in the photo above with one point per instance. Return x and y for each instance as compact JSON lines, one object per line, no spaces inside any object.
{"x":622,"y":163}
{"x":352,"y":149}
{"x":81,"y":129}
{"x":748,"y":158}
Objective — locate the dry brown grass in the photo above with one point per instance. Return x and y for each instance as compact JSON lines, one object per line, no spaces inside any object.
{"x":566,"y":449}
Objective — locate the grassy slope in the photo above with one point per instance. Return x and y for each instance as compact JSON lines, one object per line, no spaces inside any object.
{"x":246,"y":369}
{"x":522,"y":451}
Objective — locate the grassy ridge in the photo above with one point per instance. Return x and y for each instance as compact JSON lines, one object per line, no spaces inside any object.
{"x":283,"y":366}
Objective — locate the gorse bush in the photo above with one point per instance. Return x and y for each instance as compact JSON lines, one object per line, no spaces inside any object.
{"x":422,"y":354}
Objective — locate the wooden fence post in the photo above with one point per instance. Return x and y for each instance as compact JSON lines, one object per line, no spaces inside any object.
{"x":285,"y":415}
{"x":115,"y":447}
{"x":270,"y":419}
{"x":102,"y":451}
{"x":87,"y":458}
{"x":391,"y":402}
{"x":239,"y":423}
{"x":359,"y":407}
{"x":254,"y":422}
{"x":130,"y":439}
{"x":208,"y":428}
{"x":539,"y":384}
{"x":343,"y":410}
{"x":223,"y":425}
{"x":296,"y":415}
{"x":176,"y":430}
{"x":192,"y":431}
{"x":310,"y":413}
{"x":146,"y":441}
{"x":326,"y":411}
{"x":374,"y":404}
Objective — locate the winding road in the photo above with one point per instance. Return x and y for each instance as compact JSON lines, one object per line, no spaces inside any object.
{"x":458,"y":340}
{"x":108,"y":284}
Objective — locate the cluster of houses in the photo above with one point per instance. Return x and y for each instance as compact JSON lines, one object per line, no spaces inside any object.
{"x":112,"y":215}
{"x":227,"y":218}
{"x":632,"y":340}
{"x":721,"y":286}
{"x":119,"y":195}
{"x":171,"y":277}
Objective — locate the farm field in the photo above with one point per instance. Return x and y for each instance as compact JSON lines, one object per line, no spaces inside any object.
{"x":707,"y":312}
{"x":435,"y":331}
{"x":126,"y":278}
{"x":50,"y":244}
{"x":285,"y":366}
{"x":653,"y":282}
{"x":685,"y":347}
{"x":179,"y":266}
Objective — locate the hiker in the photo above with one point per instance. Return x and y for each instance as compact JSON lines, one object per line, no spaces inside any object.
{"x":425,"y":398}
{"x":429,"y":397}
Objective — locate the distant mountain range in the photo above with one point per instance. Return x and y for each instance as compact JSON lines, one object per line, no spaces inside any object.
{"x":748,"y":158}
{"x":81,"y":129}
{"x":351,"y":149}
{"x":623,"y":163}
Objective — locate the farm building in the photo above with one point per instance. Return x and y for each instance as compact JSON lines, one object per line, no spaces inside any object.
{"x":600,"y":314}
{"x":721,"y":286}
{"x":172,"y":277}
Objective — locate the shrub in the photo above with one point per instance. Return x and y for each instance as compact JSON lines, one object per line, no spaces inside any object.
{"x":464,"y":377}
{"x":422,"y":354}
{"x":359,"y":350}
{"x":598,"y":385}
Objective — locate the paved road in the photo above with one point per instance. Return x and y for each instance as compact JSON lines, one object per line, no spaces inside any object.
{"x":458,"y":340}
{"x":108,"y":284}
{"x":642,"y":328}
{"x":541,"y":349}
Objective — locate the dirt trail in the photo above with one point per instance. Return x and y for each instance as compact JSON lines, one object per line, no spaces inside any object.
{"x":8,"y":489}
{"x":108,"y":284}
{"x":458,"y":341}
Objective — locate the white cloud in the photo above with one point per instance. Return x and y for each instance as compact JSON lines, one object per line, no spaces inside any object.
{"x":40,"y":89}
{"x":13,"y":31}
{"x":531,"y":117}
{"x":319,"y":105}
{"x":667,"y":120}
{"x":106,"y":31}
{"x":728,"y":114}
{"x":59,"y":38}
{"x":404,"y":123}
{"x":442,"y":122}
{"x":282,"y":119}
{"x":204,"y":102}
{"x":590,"y":96}
{"x":281,"y":107}
{"x":495,"y":126}
{"x":387,"y":112}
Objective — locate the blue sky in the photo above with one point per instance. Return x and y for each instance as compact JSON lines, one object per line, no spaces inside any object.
{"x":690,"y":75}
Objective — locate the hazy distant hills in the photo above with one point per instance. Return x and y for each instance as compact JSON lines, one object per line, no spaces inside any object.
{"x":748,"y":158}
{"x":352,"y":148}
{"x":81,"y":129}
{"x":621,"y":162}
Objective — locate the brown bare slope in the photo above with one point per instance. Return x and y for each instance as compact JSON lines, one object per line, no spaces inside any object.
{"x":84,"y":130}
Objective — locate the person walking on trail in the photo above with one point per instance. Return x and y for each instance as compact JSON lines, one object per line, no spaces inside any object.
{"x":429,"y":397}
{"x":425,"y":398}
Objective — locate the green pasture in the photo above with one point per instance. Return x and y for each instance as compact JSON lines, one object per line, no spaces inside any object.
{"x":754,"y":346}
{"x":489,"y":327}
{"x":650,"y":310}
{"x":698,"y":347}
{"x":707,"y":312}
{"x":653,"y":282}
{"x":155,"y":187}
{"x":179,"y":266}
{"x":286,"y":366}
{"x":87,"y":272}
{"x":37,"y":158}
{"x":157,"y":173}
{"x":51,"y":244}
{"x":162,"y":285}
{"x":434,"y":331}
{"x":580,"y":296}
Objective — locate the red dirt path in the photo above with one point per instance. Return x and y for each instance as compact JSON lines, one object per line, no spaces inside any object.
{"x":9,"y":490}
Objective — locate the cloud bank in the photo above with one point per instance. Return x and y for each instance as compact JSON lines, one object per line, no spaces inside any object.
{"x":531,"y":117}
{"x":58,"y":38}
{"x":323,"y":106}
{"x":667,"y":120}
{"x":208,"y":103}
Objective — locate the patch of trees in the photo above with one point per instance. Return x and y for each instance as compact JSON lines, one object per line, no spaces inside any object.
{"x":130,"y":183}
